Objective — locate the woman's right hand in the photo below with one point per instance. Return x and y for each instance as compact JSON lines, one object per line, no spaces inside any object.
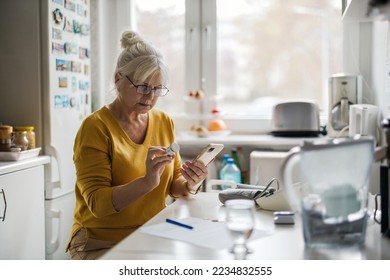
{"x":156,"y":161}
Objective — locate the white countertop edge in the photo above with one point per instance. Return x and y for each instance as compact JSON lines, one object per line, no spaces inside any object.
{"x":13,"y":166}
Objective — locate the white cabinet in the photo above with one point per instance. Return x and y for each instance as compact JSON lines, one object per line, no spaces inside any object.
{"x":22,"y":216}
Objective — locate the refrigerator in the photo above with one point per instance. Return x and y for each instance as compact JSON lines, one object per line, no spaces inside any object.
{"x":45,"y":82}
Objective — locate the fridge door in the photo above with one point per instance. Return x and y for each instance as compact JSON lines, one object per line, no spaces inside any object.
{"x":59,"y":221}
{"x":66,"y":87}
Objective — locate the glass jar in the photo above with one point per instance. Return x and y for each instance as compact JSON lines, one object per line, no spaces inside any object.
{"x":20,"y":140}
{"x":30,"y":135}
{"x":5,"y":137}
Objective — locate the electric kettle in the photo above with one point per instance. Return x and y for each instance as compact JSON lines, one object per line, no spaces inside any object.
{"x":363,"y":120}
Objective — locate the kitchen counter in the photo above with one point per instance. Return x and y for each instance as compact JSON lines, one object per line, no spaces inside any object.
{"x":12,"y":166}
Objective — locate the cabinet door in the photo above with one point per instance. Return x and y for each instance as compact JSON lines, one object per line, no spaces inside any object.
{"x":22,"y":228}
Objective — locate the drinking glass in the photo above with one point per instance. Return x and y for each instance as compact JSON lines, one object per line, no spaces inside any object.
{"x":240,"y":222}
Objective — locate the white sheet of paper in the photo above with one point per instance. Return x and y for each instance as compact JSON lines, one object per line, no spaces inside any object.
{"x":202,"y":231}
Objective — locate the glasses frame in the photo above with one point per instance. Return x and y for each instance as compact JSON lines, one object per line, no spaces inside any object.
{"x":149,"y":89}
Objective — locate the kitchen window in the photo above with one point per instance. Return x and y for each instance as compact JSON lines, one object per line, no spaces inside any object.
{"x":245,"y":55}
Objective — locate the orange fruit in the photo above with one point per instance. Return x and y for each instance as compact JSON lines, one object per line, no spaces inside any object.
{"x":217,"y":125}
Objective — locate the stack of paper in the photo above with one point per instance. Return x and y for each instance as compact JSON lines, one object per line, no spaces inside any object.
{"x":202,"y":231}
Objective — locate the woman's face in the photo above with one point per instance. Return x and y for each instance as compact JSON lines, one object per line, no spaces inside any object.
{"x":138,"y":102}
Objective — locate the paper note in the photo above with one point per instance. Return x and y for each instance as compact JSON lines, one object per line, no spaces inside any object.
{"x":203,"y":231}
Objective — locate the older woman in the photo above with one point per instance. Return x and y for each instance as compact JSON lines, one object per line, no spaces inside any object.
{"x":123,"y":173}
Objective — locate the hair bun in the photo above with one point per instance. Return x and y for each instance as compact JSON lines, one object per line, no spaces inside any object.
{"x":130,"y":38}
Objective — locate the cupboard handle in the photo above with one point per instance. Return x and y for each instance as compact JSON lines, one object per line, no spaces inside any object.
{"x":5,"y":206}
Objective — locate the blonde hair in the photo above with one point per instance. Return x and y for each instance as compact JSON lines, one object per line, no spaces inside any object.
{"x":139,"y":59}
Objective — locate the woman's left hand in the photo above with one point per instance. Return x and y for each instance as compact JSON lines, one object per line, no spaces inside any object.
{"x":194,"y":172}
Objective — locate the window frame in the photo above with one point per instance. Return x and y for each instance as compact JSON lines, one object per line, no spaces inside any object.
{"x":201,"y":71}
{"x":201,"y":68}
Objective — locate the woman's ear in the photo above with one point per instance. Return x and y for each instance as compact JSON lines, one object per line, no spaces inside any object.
{"x":118,"y":76}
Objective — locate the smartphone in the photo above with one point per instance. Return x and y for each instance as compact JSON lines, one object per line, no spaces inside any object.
{"x":209,"y":153}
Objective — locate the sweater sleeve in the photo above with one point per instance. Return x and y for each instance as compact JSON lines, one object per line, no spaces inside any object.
{"x":93,"y":167}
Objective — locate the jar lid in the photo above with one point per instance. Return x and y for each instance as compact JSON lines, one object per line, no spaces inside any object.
{"x":23,"y":128}
{"x":6,"y":127}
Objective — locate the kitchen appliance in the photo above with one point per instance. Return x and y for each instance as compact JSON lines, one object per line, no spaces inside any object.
{"x":295,"y":118}
{"x":363,"y":120}
{"x":334,"y":196}
{"x":344,"y":90}
{"x":45,"y":55}
{"x":264,"y":167}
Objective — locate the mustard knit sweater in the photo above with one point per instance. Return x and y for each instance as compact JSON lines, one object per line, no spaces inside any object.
{"x":104,"y":157}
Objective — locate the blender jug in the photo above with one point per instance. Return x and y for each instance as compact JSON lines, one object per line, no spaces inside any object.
{"x":334,"y":178}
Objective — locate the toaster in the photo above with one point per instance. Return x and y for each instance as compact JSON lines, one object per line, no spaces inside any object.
{"x":295,"y":119}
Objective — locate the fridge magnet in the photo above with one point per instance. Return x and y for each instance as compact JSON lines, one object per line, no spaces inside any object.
{"x":70,"y":5}
{"x":74,"y":84}
{"x":70,"y":48}
{"x":65,"y":101}
{"x":84,"y":29}
{"x":63,"y":65}
{"x":57,"y":101}
{"x":67,"y":25}
{"x":67,"y":47}
{"x":82,"y":98}
{"x":86,"y":69}
{"x":58,"y":16}
{"x":76,"y":27}
{"x":56,"y":34}
{"x":73,"y":102}
{"x":61,"y":101}
{"x":63,"y":82}
{"x":59,"y":2}
{"x":83,"y":85}
{"x":83,"y":53}
{"x":76,"y":67}
{"x":81,"y":10}
{"x":57,"y":48}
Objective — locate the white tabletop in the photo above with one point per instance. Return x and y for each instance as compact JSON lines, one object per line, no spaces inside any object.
{"x":285,"y":243}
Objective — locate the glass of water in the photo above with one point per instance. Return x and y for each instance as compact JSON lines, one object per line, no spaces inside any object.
{"x":240,"y":222}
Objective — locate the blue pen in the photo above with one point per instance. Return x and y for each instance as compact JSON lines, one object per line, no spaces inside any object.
{"x":178,"y":224}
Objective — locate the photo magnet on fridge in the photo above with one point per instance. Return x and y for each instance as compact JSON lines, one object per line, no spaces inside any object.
{"x":58,"y":16}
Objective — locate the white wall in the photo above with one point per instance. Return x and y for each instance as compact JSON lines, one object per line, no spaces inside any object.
{"x":108,"y":20}
{"x":380,"y":69}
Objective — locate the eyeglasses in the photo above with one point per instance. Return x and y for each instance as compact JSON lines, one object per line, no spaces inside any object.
{"x":145,"y":89}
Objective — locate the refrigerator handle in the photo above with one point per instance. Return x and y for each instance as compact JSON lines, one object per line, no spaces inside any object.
{"x":53,"y":242}
{"x":5,"y":205}
{"x":50,"y":183}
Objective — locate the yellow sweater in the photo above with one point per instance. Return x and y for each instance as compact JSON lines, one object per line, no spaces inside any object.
{"x":104,"y":157}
